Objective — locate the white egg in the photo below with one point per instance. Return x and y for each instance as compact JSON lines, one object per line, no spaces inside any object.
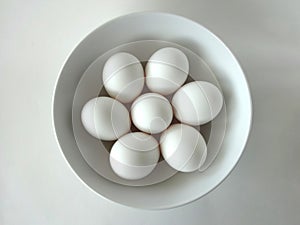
{"x":134,"y":155}
{"x":197,"y":103}
{"x":123,"y":77}
{"x":105,"y":118}
{"x":166,"y":70}
{"x":151,"y":113}
{"x":183,"y":148}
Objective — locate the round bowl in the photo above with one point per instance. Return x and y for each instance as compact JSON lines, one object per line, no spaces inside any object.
{"x":180,"y":188}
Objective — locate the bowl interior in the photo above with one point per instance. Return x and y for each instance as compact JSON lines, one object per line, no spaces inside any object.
{"x":138,"y":28}
{"x":96,"y":153}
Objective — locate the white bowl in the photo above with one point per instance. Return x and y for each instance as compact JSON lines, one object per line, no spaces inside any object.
{"x":180,"y":188}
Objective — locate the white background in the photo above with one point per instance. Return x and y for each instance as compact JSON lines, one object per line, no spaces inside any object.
{"x":37,"y":187}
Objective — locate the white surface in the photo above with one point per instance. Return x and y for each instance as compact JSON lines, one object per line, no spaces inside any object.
{"x":37,"y":187}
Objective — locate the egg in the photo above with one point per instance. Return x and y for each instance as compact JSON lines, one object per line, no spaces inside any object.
{"x":166,"y":70}
{"x":183,"y":148}
{"x":105,"y":118}
{"x":134,"y":155}
{"x":151,"y":113}
{"x":123,"y":77}
{"x":197,"y":103}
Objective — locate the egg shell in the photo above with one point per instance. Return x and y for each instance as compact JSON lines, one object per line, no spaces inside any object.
{"x":123,"y":77}
{"x":151,"y":113}
{"x":166,"y":70}
{"x":197,"y":103}
{"x":183,"y":148}
{"x":134,"y":155}
{"x":105,"y":118}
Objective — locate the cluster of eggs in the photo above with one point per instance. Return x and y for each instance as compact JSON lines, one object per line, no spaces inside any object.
{"x":135,"y":154}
